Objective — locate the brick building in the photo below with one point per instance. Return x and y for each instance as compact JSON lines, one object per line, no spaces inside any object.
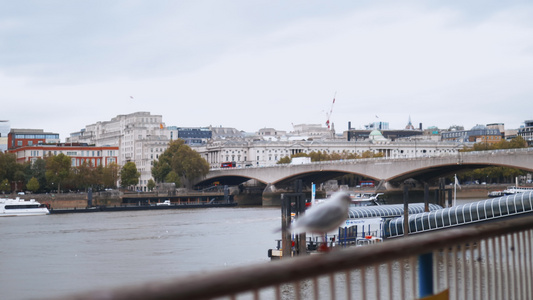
{"x":79,"y":153}
{"x":29,"y":137}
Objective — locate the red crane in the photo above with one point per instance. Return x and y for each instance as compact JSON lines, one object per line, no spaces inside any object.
{"x":328,"y":115}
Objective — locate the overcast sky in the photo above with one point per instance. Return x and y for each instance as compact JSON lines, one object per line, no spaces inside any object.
{"x":255,"y":64}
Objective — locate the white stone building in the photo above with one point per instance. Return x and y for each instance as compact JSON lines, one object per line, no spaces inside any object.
{"x":140,"y":136}
{"x":259,"y":153}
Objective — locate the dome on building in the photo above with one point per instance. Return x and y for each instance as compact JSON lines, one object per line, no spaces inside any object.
{"x":376,"y":135}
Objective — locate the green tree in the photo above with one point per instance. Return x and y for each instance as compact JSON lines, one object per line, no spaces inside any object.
{"x":9,"y":166}
{"x":58,"y":169}
{"x":33,"y":185}
{"x":85,"y":176}
{"x":518,"y":142}
{"x":129,"y":175}
{"x":284,"y":160}
{"x":110,"y":174}
{"x":151,"y":184}
{"x":37,"y":170}
{"x":495,"y":174}
{"x":180,"y":159}
{"x":4,"y":186}
{"x":172,"y":177}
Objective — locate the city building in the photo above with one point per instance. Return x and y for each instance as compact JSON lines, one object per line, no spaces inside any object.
{"x":526,"y":132}
{"x":478,"y":134}
{"x":4,"y":132}
{"x":312,"y":131}
{"x":79,"y":153}
{"x":222,"y":133}
{"x":191,"y":135}
{"x":140,"y":137}
{"x":28,"y":137}
{"x":270,"y":133}
{"x":378,"y":125}
{"x":391,"y":134}
{"x":499,"y":126}
{"x":260,"y":153}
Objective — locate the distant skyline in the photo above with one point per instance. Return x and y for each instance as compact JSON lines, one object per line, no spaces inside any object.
{"x":256,"y":64}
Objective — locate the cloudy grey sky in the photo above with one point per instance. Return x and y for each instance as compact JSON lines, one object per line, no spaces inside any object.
{"x":254,"y":64}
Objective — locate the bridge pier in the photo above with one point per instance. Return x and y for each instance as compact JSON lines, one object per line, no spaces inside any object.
{"x":272,"y":196}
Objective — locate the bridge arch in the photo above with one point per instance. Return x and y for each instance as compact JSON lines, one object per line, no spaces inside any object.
{"x":384,"y":169}
{"x":319,"y":176}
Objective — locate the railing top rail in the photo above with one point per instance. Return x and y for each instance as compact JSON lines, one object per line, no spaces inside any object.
{"x":228,"y":282}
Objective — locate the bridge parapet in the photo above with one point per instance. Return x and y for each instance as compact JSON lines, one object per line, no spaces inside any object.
{"x":385,"y":168}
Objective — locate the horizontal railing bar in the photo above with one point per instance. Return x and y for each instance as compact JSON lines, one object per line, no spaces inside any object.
{"x":234,"y":281}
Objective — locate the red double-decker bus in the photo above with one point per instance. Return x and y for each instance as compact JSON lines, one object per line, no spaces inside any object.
{"x":367,"y":183}
{"x":228,"y":164}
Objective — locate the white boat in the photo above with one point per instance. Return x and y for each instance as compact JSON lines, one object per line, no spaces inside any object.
{"x":365,"y":199}
{"x":516,"y":189}
{"x":495,"y":194}
{"x":21,"y":207}
{"x":166,"y":202}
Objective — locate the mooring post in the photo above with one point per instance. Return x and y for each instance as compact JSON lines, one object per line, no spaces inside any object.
{"x":405,"y":210}
{"x":300,"y":209}
{"x":426,"y":197}
{"x":90,"y":197}
{"x":226,"y":194}
{"x":442,"y":195}
{"x":292,"y":202}
{"x":286,"y":243}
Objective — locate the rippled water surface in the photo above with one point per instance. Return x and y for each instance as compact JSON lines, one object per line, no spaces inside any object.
{"x":46,"y":256}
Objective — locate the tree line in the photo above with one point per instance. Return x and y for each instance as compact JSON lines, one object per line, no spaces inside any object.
{"x":55,"y":173}
{"x":325,"y":156}
{"x":494,"y":174}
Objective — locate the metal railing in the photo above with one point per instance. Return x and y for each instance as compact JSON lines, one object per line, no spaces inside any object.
{"x":489,"y":261}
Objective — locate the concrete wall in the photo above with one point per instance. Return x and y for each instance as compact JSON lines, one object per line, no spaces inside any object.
{"x":71,"y":200}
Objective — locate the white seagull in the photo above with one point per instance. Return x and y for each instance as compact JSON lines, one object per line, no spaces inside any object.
{"x":323,"y":218}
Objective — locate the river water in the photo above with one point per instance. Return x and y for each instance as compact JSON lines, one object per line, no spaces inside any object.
{"x":54,"y":255}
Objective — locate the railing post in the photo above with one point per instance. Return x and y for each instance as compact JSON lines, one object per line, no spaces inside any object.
{"x":405,"y":210}
{"x":425,"y":275}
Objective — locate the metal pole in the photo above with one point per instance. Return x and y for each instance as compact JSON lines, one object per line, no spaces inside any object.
{"x":425,"y":275}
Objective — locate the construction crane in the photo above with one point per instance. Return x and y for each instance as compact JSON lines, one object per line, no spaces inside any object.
{"x":328,"y":114}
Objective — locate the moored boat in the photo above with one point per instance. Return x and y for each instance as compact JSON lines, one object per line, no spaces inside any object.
{"x":495,"y":194}
{"x":21,"y":207}
{"x":366,"y":199}
{"x":517,"y":189}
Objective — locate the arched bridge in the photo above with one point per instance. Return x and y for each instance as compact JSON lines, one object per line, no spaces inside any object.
{"x":379,"y":169}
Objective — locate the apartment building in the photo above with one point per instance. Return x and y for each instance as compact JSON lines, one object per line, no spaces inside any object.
{"x":28,"y":137}
{"x":526,"y":132}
